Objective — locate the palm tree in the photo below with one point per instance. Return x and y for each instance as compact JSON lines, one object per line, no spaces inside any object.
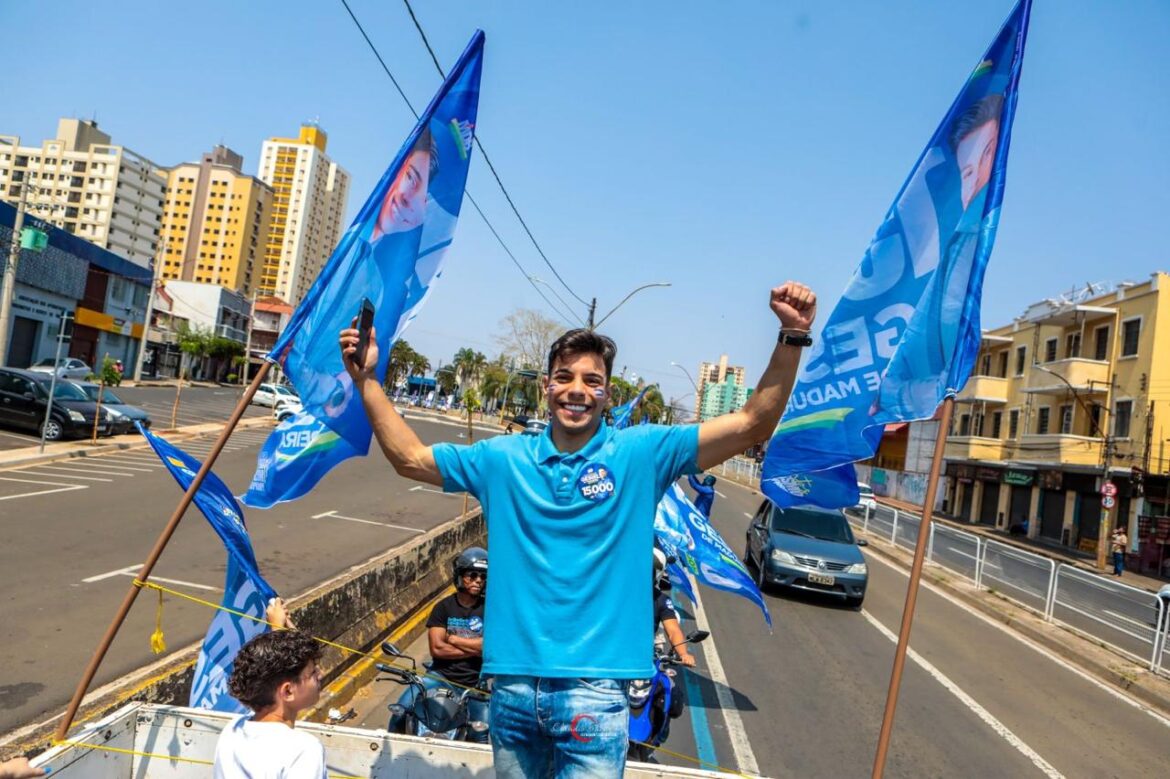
{"x":401,"y":356}
{"x":419,"y":365}
{"x":652,"y":406}
{"x":495,"y":379}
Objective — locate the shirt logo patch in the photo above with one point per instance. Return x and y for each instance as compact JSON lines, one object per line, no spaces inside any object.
{"x":596,"y":482}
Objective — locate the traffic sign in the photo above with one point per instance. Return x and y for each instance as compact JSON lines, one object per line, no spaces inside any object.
{"x":1108,"y":501}
{"x":1109,"y":489}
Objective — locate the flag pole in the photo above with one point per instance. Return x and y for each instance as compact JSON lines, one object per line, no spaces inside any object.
{"x":883,"y":745}
{"x":159,"y":545}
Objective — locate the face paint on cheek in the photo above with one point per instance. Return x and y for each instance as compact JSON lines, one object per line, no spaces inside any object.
{"x":552,"y":387}
{"x":599,"y":393}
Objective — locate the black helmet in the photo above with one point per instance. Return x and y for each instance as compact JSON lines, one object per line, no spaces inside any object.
{"x":473,"y":558}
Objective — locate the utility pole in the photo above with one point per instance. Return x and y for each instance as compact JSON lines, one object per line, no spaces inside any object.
{"x":154,"y":281}
{"x":248,"y":343}
{"x":61,"y":336}
{"x":9,"y":284}
{"x":592,"y":311}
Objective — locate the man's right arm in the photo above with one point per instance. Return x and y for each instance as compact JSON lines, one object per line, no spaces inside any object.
{"x":409,"y":456}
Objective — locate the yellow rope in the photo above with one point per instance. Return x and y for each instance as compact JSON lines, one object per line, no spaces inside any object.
{"x":158,"y":632}
{"x":157,"y":644}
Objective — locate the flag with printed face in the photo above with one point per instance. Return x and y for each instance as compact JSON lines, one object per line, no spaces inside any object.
{"x":906,"y":331}
{"x":391,"y":255}
{"x":682,"y":532}
{"x":245,"y":590}
{"x":623,"y":414}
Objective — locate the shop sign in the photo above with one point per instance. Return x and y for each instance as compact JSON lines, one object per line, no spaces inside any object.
{"x":987,"y":474}
{"x":1018,"y":478}
{"x":1051,"y":480}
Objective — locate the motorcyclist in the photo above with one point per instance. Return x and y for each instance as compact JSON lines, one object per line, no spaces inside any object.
{"x":455,"y":636}
{"x":671,"y":635}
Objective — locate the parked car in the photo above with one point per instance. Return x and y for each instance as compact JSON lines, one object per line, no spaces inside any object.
{"x":535,"y":427}
{"x":122,"y":414}
{"x":807,"y":548}
{"x":267,"y":394}
{"x":285,"y":408}
{"x":68,"y":368}
{"x":866,"y":500}
{"x":25,"y":394}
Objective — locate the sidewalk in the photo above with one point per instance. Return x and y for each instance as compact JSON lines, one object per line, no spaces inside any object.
{"x":1061,"y":554}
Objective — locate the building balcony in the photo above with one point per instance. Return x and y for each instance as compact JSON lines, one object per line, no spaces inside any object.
{"x":1058,"y":448}
{"x":1083,"y":375}
{"x":235,"y":334}
{"x":984,"y":389}
{"x":971,"y":447}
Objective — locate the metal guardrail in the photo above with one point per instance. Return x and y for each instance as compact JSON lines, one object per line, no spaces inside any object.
{"x":741,"y":469}
{"x":1130,"y":620}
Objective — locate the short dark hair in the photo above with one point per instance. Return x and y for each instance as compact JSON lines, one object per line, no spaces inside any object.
{"x":267,"y":661}
{"x":426,"y":143}
{"x":582,"y":341}
{"x":976,"y":115}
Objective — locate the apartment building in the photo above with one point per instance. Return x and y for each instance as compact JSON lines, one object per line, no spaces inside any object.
{"x":81,"y":182}
{"x":1071,"y":394}
{"x":215,"y":222}
{"x":309,"y":197}
{"x":718,"y":373}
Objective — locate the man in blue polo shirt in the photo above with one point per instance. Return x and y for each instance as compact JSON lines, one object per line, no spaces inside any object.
{"x":570,"y":529}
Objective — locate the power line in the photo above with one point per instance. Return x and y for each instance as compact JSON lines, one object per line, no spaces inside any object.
{"x":478,"y":210}
{"x":492,"y":167}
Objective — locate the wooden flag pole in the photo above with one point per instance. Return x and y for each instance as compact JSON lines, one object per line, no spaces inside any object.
{"x":883,"y":746}
{"x":159,"y":545}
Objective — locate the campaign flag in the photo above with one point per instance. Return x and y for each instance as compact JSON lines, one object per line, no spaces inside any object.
{"x":392,"y":254}
{"x":678,"y":578}
{"x":245,"y":590}
{"x":683,"y":533}
{"x":623,"y":414}
{"x":906,"y":332}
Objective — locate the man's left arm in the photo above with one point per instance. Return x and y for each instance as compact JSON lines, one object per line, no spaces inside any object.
{"x":725,"y":436}
{"x":472,"y":646}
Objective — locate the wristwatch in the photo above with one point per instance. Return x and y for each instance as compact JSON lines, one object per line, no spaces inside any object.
{"x":795,"y":339}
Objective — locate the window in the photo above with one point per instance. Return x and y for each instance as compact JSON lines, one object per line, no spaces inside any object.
{"x":1021,"y":354}
{"x":965,"y":424}
{"x":985,"y":365}
{"x":1130,"y":331}
{"x":1101,"y":343}
{"x":1042,"y":421}
{"x":1003,"y":362}
{"x":1072,"y":345}
{"x":996,"y":423}
{"x":1050,"y":350}
{"x":1122,"y":411}
{"x":1095,"y":427}
{"x":1066,"y":420}
{"x":977,"y":425}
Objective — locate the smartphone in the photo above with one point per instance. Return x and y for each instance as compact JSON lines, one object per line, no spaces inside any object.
{"x":365,"y":322}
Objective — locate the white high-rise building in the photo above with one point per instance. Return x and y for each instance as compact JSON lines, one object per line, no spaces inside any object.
{"x":717,"y":373}
{"x":80,"y":182}
{"x":309,"y":197}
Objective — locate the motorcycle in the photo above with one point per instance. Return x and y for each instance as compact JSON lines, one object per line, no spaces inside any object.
{"x":654,"y":702}
{"x":439,"y":712}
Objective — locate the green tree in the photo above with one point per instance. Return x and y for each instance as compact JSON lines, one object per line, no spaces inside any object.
{"x":401,"y":358}
{"x":495,"y":379}
{"x":652,"y":406}
{"x":195,"y":343}
{"x":446,"y":379}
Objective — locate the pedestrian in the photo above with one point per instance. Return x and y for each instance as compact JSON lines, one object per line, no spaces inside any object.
{"x":571,"y":527}
{"x":704,"y":493}
{"x":276,"y":675}
{"x":1118,"y":543}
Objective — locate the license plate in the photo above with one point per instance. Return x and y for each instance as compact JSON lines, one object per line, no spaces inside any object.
{"x":820,"y":578}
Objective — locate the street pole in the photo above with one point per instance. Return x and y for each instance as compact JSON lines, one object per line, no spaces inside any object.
{"x":155,"y":553}
{"x":142,"y":342}
{"x":9,"y":284}
{"x":592,"y":311}
{"x":53,"y":381}
{"x":879,"y":761}
{"x":248,"y":343}
{"x":1103,"y":529}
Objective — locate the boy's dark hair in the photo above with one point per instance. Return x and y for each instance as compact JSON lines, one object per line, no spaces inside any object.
{"x":582,"y":341}
{"x":266,"y":662}
{"x":975,"y":116}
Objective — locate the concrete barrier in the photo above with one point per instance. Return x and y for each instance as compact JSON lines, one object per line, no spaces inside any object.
{"x":356,"y":609}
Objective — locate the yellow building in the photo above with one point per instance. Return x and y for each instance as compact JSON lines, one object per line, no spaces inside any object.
{"x":1075,"y":389}
{"x":215,"y":222}
{"x":310,"y":193}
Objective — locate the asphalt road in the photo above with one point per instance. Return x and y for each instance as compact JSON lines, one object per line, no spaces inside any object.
{"x":76,"y":532}
{"x":811,"y":694}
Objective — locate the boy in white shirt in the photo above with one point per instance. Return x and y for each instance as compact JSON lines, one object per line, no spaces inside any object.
{"x":276,"y":675}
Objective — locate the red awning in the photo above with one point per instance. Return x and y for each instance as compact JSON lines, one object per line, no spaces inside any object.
{"x":894,"y":427}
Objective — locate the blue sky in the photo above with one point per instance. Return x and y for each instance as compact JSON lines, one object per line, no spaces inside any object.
{"x":723,"y":147}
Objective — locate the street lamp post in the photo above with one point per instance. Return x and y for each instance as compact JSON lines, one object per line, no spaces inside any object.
{"x":691,"y":379}
{"x":593,"y":305}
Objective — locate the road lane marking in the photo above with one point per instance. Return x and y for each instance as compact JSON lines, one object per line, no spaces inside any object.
{"x":720,"y":494}
{"x":420,"y":488}
{"x":58,"y":487}
{"x":1026,"y":642}
{"x":969,"y":702}
{"x":749,"y":516}
{"x":136,"y":463}
{"x":132,"y":572}
{"x":335,"y":515}
{"x":745,"y":758}
{"x":109,"y":462}
{"x":82,"y":468}
{"x":31,"y":472}
{"x":704,"y":744}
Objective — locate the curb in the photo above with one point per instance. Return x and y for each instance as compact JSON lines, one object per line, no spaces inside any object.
{"x":1122,"y":674}
{"x":181,"y":433}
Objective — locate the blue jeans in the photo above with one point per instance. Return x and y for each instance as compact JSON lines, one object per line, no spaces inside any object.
{"x":1118,"y":563}
{"x":567,"y":728}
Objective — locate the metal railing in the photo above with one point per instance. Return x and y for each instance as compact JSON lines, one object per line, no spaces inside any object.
{"x":741,"y":470}
{"x":1130,"y":620}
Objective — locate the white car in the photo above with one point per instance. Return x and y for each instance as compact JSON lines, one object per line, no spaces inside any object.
{"x":269,"y":394}
{"x":285,"y":408}
{"x":68,"y":368}
{"x":866,"y":501}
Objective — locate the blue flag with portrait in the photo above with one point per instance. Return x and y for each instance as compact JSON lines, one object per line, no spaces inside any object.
{"x":623,"y":414}
{"x":245,"y":590}
{"x":906,"y":331}
{"x":682,"y":532}
{"x":392,"y":254}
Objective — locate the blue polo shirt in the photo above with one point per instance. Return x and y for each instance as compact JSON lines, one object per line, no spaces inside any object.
{"x":570,"y":537}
